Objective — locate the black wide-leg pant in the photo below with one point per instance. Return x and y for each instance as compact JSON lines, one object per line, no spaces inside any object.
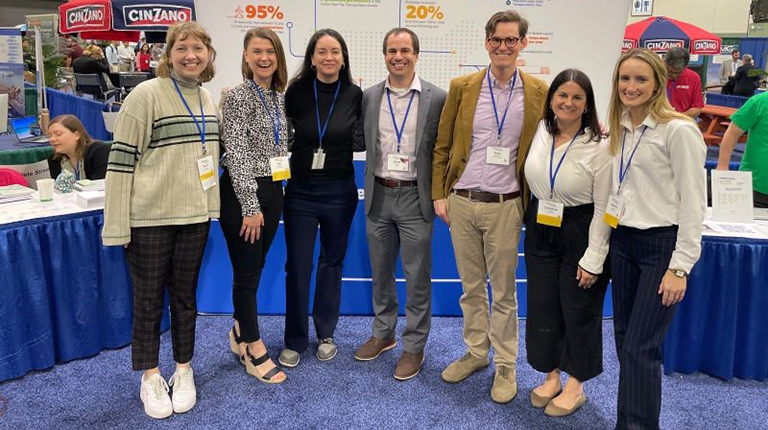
{"x":331,"y":205}
{"x":563,"y":328}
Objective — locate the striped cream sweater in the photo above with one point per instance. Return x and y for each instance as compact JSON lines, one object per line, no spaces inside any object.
{"x":152,"y":176}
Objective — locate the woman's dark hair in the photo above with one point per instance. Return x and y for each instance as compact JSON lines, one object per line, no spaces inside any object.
{"x":307,"y":72}
{"x":589,"y":119}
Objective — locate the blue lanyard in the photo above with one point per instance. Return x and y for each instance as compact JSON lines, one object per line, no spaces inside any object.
{"x":399,"y":133}
{"x":321,"y":130}
{"x":500,"y":124}
{"x":276,"y":119}
{"x":76,"y":168}
{"x":553,"y":175}
{"x":623,"y":171}
{"x":202,"y":113}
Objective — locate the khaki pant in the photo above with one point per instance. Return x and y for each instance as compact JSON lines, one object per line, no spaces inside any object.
{"x":485,"y":238}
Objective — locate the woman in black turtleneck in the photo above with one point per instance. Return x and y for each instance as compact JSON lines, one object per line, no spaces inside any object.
{"x":324,"y":106}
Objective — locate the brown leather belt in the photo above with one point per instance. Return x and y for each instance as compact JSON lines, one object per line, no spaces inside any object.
{"x":485,"y":197}
{"x":394,"y":183}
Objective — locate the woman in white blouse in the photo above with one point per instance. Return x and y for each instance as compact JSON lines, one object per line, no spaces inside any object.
{"x":657,"y":203}
{"x":568,"y":170}
{"x":255,"y":133}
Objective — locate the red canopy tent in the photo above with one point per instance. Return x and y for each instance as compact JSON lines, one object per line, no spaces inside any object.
{"x":92,"y":19}
{"x":659,"y":33}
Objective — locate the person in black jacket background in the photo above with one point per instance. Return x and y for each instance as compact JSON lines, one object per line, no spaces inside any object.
{"x":324,"y":106}
{"x":75,"y":151}
{"x":92,"y":62}
{"x":745,"y":85}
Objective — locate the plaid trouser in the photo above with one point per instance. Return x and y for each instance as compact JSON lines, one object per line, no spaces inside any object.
{"x":158,"y":257}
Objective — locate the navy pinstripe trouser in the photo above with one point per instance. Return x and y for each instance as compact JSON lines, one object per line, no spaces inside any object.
{"x":639,"y":260}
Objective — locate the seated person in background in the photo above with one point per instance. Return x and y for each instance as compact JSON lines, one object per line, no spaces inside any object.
{"x":92,"y":62}
{"x":75,"y":151}
{"x":745,"y":85}
{"x":683,"y":84}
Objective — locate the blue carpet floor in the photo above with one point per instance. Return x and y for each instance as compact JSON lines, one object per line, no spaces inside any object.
{"x":102,"y":392}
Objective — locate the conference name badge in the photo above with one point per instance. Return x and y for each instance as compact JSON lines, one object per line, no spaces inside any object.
{"x":497,"y":155}
{"x":207,"y":172}
{"x":613,"y":210}
{"x":550,"y":213}
{"x":398,"y":163}
{"x":318,"y":160}
{"x":280,"y":167}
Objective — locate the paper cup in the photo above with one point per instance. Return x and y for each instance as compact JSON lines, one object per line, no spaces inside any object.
{"x":45,"y":189}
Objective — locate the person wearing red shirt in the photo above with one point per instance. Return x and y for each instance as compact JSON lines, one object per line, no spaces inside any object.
{"x":142,"y":59}
{"x":683,"y":84}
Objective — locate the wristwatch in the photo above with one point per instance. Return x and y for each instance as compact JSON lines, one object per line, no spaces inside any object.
{"x":679,"y":273}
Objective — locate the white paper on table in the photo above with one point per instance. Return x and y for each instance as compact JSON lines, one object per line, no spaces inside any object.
{"x":732,"y":196}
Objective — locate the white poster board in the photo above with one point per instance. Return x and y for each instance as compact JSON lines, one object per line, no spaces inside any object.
{"x":732,"y":196}
{"x":583,"y":34}
{"x":32,"y":171}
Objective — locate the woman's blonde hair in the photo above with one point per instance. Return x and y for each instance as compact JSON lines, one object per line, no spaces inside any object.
{"x":657,"y":107}
{"x":280,"y":77}
{"x":180,"y":31}
{"x":93,"y":51}
{"x":73,"y":124}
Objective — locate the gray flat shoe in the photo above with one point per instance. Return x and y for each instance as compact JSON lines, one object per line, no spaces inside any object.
{"x":289,"y":358}
{"x":326,"y":350}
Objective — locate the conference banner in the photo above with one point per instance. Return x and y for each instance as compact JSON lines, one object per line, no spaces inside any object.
{"x":562,"y":34}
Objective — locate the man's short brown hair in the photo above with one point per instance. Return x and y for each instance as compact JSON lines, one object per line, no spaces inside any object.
{"x":398,"y":30}
{"x":506,"y":16}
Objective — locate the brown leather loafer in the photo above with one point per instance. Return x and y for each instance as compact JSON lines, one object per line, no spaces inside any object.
{"x":373,"y":348}
{"x":409,"y":365}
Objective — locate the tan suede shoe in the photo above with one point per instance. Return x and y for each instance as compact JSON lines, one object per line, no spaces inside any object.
{"x":462,"y":368}
{"x":504,"y":385}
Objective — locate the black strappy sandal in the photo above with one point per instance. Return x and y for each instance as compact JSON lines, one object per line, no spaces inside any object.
{"x":252,"y":362}
{"x":234,"y":345}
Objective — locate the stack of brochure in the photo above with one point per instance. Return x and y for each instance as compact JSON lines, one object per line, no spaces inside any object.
{"x":89,"y":185}
{"x":15,"y":193}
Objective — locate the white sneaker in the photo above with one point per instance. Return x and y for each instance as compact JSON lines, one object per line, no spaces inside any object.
{"x":184,"y":392}
{"x":154,"y":395}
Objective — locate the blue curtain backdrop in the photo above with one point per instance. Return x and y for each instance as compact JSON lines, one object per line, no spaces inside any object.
{"x":757,"y":47}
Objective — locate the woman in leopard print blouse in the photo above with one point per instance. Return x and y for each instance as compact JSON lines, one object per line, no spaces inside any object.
{"x":255,"y":135}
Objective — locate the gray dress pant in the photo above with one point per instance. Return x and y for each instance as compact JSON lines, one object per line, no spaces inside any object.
{"x":395,"y":219}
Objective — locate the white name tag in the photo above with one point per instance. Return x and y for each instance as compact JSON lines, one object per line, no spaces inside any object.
{"x":550,"y":213}
{"x":497,"y":155}
{"x":207,"y":172}
{"x":613,"y":210}
{"x":398,"y":163}
{"x":280,"y":167}
{"x":318,"y":160}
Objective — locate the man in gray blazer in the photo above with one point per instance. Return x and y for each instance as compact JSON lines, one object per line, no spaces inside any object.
{"x":729,"y":66}
{"x":400,"y":117}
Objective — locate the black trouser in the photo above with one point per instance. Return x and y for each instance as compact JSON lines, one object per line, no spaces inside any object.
{"x":160,"y":257}
{"x":759,"y":200}
{"x":248,"y":258}
{"x":639,"y":260}
{"x":563,"y":328}
{"x":331,"y":206}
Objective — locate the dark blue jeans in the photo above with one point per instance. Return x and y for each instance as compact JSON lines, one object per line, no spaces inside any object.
{"x":331,"y":206}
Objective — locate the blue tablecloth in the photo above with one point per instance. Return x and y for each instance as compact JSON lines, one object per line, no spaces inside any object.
{"x":87,"y":110}
{"x":721,"y":327}
{"x":726,"y":100}
{"x":64,"y":295}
